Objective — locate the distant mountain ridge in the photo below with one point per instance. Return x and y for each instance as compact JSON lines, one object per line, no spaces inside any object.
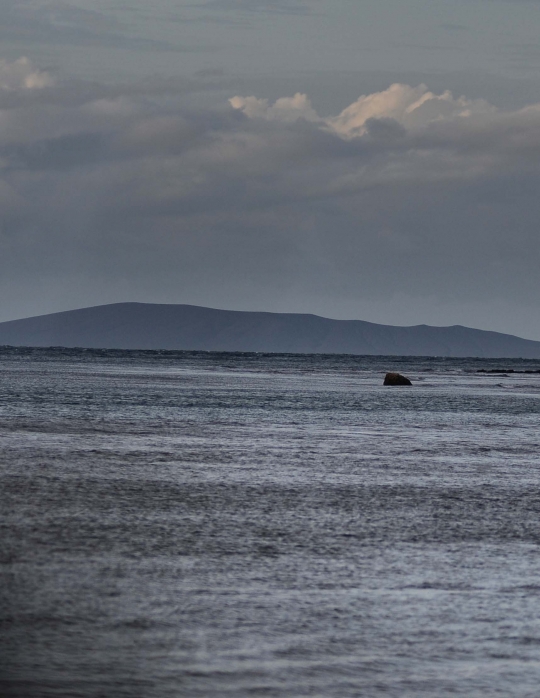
{"x":157,"y":326}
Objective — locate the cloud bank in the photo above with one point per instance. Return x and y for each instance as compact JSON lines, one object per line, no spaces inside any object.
{"x":416,"y":205}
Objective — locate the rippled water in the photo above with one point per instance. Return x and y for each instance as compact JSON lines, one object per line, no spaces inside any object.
{"x":190,"y":524}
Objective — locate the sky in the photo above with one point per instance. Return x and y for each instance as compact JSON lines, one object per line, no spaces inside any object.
{"x":357,"y":159}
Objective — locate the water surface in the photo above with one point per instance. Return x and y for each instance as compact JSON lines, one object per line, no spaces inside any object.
{"x":204,"y":524}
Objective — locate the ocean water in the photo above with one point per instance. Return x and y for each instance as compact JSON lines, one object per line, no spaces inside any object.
{"x":184,"y":524}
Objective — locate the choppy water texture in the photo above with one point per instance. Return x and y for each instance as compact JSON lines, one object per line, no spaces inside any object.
{"x":183,"y":524}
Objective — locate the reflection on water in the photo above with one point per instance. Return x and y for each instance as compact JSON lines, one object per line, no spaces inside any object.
{"x":196,"y":524}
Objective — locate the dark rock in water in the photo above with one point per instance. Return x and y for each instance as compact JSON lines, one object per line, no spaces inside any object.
{"x":396,"y":379}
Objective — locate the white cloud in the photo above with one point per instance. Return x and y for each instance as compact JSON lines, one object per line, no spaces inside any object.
{"x":287,"y":109}
{"x":413,"y":107}
{"x":21,"y":75}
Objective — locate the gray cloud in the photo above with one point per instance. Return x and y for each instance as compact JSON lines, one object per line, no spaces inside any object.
{"x":451,"y":27}
{"x":58,"y":22}
{"x":289,"y":7}
{"x":404,"y":196}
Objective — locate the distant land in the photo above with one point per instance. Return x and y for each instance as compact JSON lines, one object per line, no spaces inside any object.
{"x":156,"y":326}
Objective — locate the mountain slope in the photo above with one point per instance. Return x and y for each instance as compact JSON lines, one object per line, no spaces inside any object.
{"x":154,"y":326}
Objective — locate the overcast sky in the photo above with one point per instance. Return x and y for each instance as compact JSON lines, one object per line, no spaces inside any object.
{"x":361,"y":159}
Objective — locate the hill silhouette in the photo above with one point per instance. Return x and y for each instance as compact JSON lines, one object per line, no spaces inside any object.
{"x":158,"y":326}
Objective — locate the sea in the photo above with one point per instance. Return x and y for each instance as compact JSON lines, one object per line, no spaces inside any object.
{"x":192,"y":524}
